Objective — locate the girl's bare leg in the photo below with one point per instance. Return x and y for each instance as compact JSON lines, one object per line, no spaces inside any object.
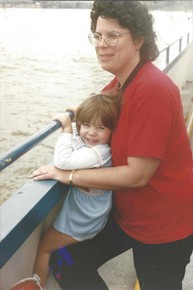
{"x":51,"y":241}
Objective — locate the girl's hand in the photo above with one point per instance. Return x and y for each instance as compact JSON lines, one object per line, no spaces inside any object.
{"x":73,"y":109}
{"x":64,"y":120}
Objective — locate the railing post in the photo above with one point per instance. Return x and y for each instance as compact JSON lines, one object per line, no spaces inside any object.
{"x":188,"y":38}
{"x":180,"y":44}
{"x":167,"y":55}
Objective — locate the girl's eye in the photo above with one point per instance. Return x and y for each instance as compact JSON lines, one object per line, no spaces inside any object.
{"x":86,"y":125}
{"x":101,"y":128}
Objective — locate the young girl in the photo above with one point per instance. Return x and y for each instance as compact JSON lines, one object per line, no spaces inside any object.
{"x":85,"y":210}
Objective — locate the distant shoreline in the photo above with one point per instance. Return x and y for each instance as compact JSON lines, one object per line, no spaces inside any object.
{"x":153,"y":5}
{"x":46,"y":4}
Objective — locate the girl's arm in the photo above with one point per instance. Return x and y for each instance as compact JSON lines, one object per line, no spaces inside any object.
{"x":65,"y":157}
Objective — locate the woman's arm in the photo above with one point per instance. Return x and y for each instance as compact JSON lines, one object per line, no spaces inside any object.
{"x":137,"y":173}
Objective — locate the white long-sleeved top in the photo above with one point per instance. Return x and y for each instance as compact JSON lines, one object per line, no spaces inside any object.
{"x":84,"y":213}
{"x":72,"y":153}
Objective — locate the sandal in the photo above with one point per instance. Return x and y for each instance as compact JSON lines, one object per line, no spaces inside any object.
{"x":32,"y":283}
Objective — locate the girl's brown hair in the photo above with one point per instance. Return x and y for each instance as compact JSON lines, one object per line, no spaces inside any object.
{"x":104,"y":107}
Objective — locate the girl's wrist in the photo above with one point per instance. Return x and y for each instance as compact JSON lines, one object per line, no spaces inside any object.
{"x":67,"y":129}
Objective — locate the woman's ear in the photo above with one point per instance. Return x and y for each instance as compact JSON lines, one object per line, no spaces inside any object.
{"x":139,"y":42}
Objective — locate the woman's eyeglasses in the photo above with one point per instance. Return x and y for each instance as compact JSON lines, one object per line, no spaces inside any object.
{"x":111,"y":38}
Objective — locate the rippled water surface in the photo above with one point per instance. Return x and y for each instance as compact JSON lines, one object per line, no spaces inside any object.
{"x":46,"y":65}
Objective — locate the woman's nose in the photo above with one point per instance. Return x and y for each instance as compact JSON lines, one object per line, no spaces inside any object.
{"x":102,"y":42}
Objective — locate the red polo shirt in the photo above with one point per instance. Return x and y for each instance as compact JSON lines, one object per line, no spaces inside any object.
{"x":152,"y":125}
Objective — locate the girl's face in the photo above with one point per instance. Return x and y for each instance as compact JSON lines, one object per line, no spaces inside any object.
{"x":121,"y":58}
{"x":94,"y":133}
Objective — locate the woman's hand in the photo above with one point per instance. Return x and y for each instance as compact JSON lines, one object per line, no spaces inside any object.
{"x":50,"y":172}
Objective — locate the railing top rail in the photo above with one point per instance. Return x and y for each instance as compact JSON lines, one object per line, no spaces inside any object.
{"x":176,"y":41}
{"x":15,"y":153}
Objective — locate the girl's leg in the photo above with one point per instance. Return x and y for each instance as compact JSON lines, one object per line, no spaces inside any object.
{"x":75,"y":267}
{"x":162,"y":266}
{"x":51,"y":241}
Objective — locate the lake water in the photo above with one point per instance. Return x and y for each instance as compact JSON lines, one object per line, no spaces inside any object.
{"x":46,"y":65}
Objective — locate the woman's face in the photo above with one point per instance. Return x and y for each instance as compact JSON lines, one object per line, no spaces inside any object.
{"x":122,"y":58}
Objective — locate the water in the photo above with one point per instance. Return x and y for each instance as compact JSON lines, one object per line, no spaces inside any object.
{"x":46,"y":65}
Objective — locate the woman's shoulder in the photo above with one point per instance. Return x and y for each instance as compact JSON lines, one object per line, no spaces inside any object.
{"x":152,"y":81}
{"x":151,"y":74}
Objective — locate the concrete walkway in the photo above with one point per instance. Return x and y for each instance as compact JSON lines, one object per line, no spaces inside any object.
{"x":187,"y":97}
{"x":187,"y":101}
{"x":119,"y":274}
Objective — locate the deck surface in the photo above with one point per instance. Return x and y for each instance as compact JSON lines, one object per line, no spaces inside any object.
{"x":187,"y":101}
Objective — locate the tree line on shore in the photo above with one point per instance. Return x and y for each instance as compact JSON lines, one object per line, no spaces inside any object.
{"x":171,"y":5}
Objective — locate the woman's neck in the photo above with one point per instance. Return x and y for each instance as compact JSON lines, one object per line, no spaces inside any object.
{"x":122,"y":77}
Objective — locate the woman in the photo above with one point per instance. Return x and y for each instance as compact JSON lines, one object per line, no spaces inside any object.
{"x":152,"y":177}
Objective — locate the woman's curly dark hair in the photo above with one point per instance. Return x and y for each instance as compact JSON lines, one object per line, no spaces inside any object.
{"x":132,"y":15}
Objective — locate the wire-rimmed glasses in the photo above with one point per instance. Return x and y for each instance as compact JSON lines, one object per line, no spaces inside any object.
{"x":110,"y":38}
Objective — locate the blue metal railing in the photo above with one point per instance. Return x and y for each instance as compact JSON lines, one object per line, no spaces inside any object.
{"x":174,"y":48}
{"x":12,"y":155}
{"x":15,"y":153}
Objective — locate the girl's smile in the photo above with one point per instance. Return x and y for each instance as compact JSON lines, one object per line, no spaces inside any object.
{"x":94,"y":134}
